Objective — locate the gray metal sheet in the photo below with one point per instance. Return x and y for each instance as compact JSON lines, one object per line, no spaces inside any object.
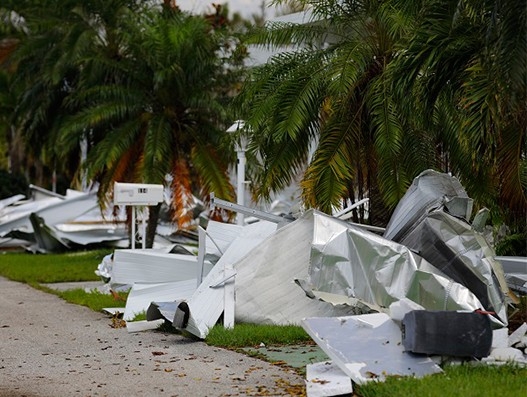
{"x":266,"y":292}
{"x":357,"y":264}
{"x":428,"y":190}
{"x":513,"y":264}
{"x":367,"y":347}
{"x":462,"y":254}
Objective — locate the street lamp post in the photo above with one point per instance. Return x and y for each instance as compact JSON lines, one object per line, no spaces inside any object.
{"x":241,"y":148}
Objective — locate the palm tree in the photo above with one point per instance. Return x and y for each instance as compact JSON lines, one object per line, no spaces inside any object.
{"x":144,"y":85}
{"x":156,"y":111}
{"x":466,"y":67}
{"x":52,"y":40}
{"x":334,"y":91}
{"x":396,"y":87}
{"x":9,"y":134}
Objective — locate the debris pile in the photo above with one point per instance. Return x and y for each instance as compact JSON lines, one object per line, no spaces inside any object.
{"x":378,"y":305}
{"x":49,"y":222}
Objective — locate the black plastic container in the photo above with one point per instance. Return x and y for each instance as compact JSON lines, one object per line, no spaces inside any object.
{"x":447,"y":333}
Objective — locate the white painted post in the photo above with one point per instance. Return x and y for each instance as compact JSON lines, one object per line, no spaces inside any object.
{"x":133,"y":227}
{"x":241,"y":147}
{"x":240,"y":192}
{"x":144,"y":230}
{"x":229,"y":298}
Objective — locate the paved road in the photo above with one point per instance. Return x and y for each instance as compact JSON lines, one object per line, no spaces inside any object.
{"x":52,"y":348}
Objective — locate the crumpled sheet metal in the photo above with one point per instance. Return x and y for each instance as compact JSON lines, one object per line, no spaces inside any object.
{"x":429,"y":190}
{"x":432,"y":220}
{"x":265,"y":282}
{"x":463,"y":255}
{"x":355,"y":263}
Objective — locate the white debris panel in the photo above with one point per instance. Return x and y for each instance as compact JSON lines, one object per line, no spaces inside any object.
{"x":153,"y":266}
{"x":367,"y":347}
{"x":54,"y":210}
{"x":52,"y":222}
{"x":143,"y":294}
{"x":266,"y":292}
{"x":202,"y":310}
{"x":325,"y":379}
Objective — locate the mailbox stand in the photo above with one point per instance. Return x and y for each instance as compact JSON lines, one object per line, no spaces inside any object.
{"x":137,"y":195}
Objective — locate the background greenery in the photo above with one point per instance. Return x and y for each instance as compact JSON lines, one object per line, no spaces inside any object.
{"x":379,"y":92}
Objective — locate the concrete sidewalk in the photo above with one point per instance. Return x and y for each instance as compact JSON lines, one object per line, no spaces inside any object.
{"x":51,"y":348}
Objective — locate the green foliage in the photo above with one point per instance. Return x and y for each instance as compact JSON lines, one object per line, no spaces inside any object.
{"x":512,"y":245}
{"x":463,"y":69}
{"x":336,"y":93}
{"x":144,"y":86}
{"x":243,"y":335}
{"x":139,"y":316}
{"x":160,"y":110}
{"x":385,"y":90}
{"x":457,"y":381}
{"x":11,"y":185}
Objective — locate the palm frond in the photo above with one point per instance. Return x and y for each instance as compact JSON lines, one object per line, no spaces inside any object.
{"x":212,"y":172}
{"x":389,"y":140}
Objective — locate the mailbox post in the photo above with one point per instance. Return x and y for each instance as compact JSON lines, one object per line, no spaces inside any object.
{"x":137,"y":195}
{"x":241,"y":148}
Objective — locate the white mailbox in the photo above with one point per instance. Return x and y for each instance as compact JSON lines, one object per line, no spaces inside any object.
{"x":137,"y":194}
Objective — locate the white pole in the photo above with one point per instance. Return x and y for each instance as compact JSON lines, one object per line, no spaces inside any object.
{"x":144,"y":229}
{"x":241,"y":146}
{"x":133,"y":227}
{"x":240,"y":194}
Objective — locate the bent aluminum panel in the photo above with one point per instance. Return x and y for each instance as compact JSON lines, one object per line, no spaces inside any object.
{"x":360,"y":265}
{"x":367,"y":347}
{"x":143,"y":294}
{"x":206,"y":304}
{"x":430,"y":189}
{"x":150,"y":266}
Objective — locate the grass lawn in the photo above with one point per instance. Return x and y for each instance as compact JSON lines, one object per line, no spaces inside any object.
{"x":36,"y":270}
{"x":51,"y":268}
{"x":457,"y":381}
{"x":461,"y":380}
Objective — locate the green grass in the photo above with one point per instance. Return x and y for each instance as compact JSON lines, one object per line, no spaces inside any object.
{"x":94,"y":300}
{"x":140,"y":316}
{"x":243,"y":335}
{"x":457,"y":381}
{"x":36,"y":270}
{"x":51,"y":268}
